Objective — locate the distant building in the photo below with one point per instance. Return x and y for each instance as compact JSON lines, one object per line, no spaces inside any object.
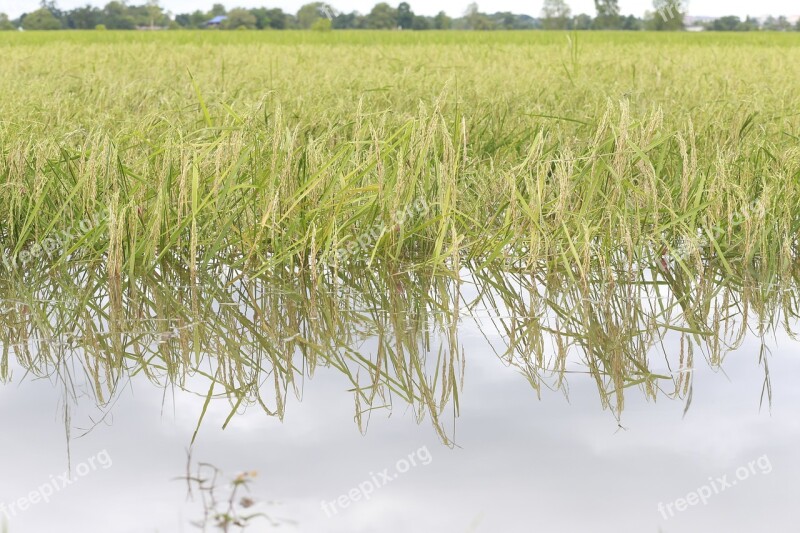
{"x":216,"y":22}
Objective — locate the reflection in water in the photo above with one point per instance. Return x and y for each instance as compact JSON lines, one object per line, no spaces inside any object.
{"x":393,"y":333}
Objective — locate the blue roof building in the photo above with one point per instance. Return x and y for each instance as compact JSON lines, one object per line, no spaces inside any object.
{"x":216,"y":21}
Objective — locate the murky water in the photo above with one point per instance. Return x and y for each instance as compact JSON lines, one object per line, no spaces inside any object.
{"x":380,"y":400}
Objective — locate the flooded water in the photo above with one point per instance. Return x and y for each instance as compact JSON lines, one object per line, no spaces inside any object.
{"x":380,"y":400}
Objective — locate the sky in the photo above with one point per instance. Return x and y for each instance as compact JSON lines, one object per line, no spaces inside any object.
{"x":741,"y":8}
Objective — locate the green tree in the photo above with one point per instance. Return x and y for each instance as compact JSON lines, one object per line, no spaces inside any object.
{"x":608,"y":15}
{"x":41,"y":19}
{"x":751,"y":24}
{"x":507,"y":20}
{"x":156,"y":14}
{"x":769,"y":23}
{"x":520,"y":22}
{"x":382,"y":17}
{"x":117,"y":17}
{"x":669,"y":15}
{"x":483,"y":23}
{"x":5,"y":24}
{"x":291,"y":22}
{"x":322,"y":24}
{"x":52,"y":7}
{"x":441,"y":21}
{"x":632,"y":23}
{"x":308,"y":14}
{"x":217,"y":10}
{"x":582,"y":22}
{"x":405,"y":17}
{"x":421,"y":23}
{"x":149,"y":15}
{"x":729,"y":23}
{"x":240,"y":18}
{"x":83,"y":18}
{"x":195,"y":19}
{"x":476,"y":20}
{"x":262,"y":17}
{"x":777,"y":24}
{"x":555,"y":15}
{"x":277,"y":18}
{"x":471,"y":15}
{"x":347,"y":21}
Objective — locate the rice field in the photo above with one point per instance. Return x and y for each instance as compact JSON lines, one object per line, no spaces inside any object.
{"x":235,"y":217}
{"x":280,"y":149}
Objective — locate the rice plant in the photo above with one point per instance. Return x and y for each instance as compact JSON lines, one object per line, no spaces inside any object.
{"x":250,"y":208}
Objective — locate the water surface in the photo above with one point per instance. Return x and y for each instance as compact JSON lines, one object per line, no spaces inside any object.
{"x":540,"y":404}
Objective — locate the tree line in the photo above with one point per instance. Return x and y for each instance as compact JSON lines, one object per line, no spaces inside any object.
{"x":666,"y":15}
